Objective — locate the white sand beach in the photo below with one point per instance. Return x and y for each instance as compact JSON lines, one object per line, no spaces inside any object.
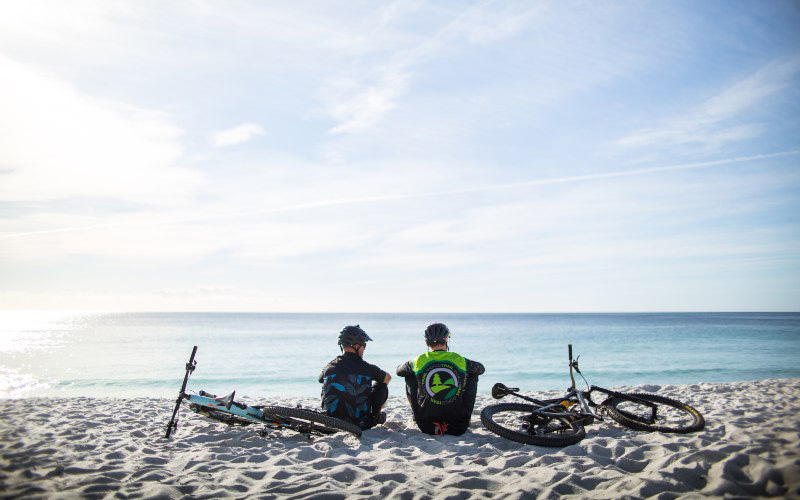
{"x":94,"y":448}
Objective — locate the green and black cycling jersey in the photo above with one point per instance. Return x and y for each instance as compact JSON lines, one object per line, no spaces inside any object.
{"x":346,"y":386}
{"x":442,"y":393}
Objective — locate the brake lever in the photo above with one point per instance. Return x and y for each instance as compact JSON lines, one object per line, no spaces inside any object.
{"x":575,"y":364}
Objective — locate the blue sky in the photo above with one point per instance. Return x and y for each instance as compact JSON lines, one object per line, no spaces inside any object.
{"x":400,"y":156}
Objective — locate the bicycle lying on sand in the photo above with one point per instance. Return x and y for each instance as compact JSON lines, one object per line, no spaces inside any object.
{"x":230,"y":412}
{"x":561,"y":421}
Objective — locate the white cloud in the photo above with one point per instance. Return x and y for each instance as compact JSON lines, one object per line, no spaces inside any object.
{"x":40,"y":21}
{"x":360,"y":99}
{"x":495,"y":22}
{"x":415,"y":182}
{"x":357,"y":107}
{"x":713,"y":123}
{"x":374,"y":189}
{"x":201,"y":298}
{"x":237,"y":135}
{"x":58,"y":143}
{"x":207,"y":291}
{"x":752,"y":90}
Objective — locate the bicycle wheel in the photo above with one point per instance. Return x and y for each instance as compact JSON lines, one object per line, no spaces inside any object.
{"x":519,"y":422}
{"x":671,"y":415}
{"x":302,"y":420}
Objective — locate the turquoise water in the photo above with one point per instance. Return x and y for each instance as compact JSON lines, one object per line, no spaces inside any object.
{"x":143,"y":354}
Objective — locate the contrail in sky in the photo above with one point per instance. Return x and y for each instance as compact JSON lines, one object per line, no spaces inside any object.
{"x":427,"y":194}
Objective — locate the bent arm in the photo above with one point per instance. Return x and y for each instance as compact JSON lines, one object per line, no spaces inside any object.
{"x":325,"y":370}
{"x":475,"y":368}
{"x":404,"y":370}
{"x":378,"y":375}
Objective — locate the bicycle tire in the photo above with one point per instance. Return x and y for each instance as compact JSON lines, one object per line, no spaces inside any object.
{"x":556,"y":440}
{"x":311,"y":420}
{"x":620,"y":409}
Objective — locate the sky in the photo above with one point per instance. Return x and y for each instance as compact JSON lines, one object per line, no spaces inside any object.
{"x":442,"y":156}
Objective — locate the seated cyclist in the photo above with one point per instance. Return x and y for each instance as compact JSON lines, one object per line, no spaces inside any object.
{"x":441,"y":385}
{"x":352,"y":389}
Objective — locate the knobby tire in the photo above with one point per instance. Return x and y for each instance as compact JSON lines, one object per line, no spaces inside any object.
{"x":572,"y":435}
{"x":314,"y":421}
{"x":693,"y":420}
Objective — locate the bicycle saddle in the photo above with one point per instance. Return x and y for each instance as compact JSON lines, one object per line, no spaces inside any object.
{"x":226,"y":400}
{"x":500,"y":390}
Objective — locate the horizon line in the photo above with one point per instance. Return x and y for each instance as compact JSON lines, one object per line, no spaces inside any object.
{"x":117,"y":311}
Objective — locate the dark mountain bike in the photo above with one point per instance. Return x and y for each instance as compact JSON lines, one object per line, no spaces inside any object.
{"x":561,"y":421}
{"x":226,"y":410}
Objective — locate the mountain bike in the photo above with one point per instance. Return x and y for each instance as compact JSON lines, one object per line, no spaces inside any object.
{"x":561,"y":421}
{"x":228,"y":411}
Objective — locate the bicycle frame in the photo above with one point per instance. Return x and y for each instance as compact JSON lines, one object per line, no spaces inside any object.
{"x":209,"y":402}
{"x":581,"y":397}
{"x":228,"y":405}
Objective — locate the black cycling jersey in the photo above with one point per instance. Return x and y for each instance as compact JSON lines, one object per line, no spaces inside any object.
{"x":441,"y":387}
{"x":346,"y":386}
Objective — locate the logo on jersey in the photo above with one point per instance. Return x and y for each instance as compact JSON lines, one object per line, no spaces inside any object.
{"x":441,"y":383}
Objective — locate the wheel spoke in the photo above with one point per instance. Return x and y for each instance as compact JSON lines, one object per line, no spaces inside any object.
{"x":636,"y":411}
{"x":524,"y":423}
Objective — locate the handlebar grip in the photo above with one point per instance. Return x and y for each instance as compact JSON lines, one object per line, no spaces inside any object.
{"x":569,"y":348}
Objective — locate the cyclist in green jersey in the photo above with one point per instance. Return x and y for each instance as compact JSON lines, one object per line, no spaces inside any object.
{"x":441,"y":385}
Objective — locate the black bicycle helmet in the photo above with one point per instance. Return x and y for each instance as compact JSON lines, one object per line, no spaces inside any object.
{"x":352,"y":335}
{"x":436,"y":333}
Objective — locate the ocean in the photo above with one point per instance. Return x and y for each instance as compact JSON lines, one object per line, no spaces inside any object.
{"x":272,"y":354}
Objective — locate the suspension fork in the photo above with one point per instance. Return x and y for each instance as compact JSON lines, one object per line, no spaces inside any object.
{"x":584,"y":403}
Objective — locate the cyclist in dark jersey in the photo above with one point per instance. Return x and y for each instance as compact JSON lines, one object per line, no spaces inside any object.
{"x":441,"y":385}
{"x":352,"y":389}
